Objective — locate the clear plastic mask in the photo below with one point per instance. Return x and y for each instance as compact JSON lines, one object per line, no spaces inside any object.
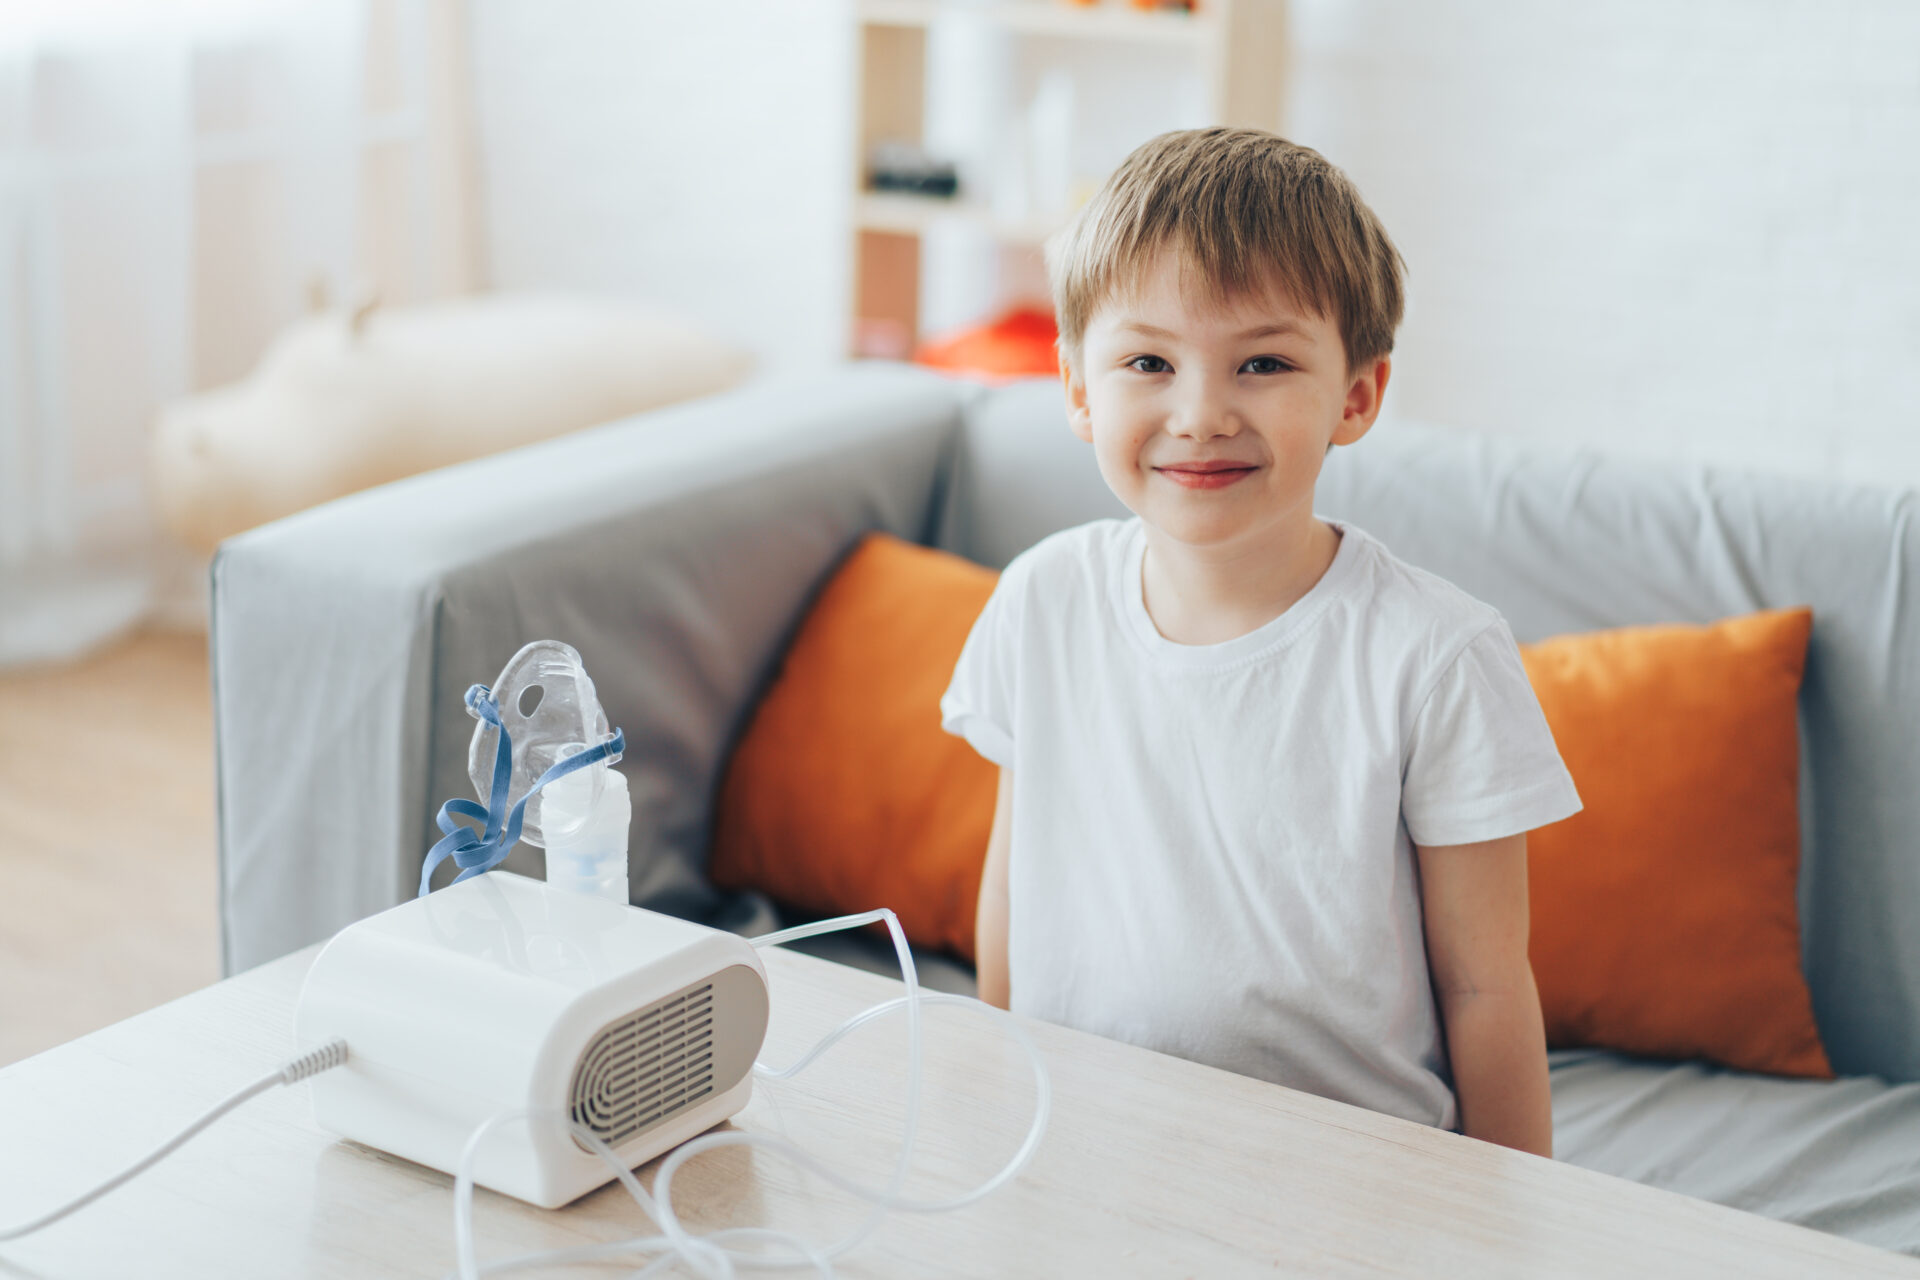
{"x":550,"y":711}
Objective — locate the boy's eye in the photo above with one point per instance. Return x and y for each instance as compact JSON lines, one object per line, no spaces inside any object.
{"x":1148,"y":364}
{"x":1265,"y":364}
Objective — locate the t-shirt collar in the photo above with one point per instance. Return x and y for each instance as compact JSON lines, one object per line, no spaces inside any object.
{"x":1132,"y":606}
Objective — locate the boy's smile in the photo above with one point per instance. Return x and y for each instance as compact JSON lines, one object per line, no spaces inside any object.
{"x":1207,"y":475}
{"x":1210,"y":420}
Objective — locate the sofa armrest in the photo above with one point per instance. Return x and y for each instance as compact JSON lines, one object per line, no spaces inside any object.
{"x":674,"y":550}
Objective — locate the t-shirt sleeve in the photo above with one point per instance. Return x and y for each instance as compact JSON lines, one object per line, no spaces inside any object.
{"x":979,"y":701}
{"x":1481,"y":761}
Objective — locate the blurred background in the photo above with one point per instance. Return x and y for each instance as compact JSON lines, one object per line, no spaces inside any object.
{"x":247,"y":248}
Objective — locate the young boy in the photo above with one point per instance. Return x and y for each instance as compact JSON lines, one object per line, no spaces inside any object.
{"x":1264,"y":788}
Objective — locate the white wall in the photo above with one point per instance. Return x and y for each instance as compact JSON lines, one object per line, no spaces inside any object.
{"x":1683,"y":229}
{"x":697,"y":154}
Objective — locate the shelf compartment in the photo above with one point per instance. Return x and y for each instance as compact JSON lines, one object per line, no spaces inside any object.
{"x":912,"y":215}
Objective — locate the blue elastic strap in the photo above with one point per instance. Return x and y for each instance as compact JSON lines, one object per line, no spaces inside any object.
{"x":477,"y":853}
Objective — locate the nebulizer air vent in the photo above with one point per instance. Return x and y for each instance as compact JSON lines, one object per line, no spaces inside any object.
{"x":646,"y":1066}
{"x":642,"y":1070}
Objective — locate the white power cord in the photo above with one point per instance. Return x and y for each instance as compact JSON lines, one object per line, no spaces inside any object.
{"x":711,"y":1254}
{"x":325,"y":1058}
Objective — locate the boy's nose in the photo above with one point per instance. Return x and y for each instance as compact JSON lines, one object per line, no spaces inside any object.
{"x":1205,"y":416}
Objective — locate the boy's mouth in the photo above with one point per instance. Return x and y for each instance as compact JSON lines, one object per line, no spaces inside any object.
{"x":1206,"y":475}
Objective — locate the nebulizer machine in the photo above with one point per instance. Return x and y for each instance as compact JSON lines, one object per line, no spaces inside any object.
{"x":544,"y":1038}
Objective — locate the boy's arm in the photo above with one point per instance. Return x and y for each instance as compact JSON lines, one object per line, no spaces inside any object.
{"x":1474,"y":898}
{"x":990,"y":920}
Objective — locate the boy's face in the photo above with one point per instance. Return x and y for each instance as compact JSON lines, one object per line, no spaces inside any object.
{"x":1210,"y":421}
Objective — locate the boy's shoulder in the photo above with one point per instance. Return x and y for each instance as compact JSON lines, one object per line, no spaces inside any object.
{"x":1414,"y":601}
{"x":1083,"y":554}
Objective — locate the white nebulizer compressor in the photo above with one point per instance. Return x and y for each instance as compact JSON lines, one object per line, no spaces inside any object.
{"x":500,"y":994}
{"x":543,"y":1039}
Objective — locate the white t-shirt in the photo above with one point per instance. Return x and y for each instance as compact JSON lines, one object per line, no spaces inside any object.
{"x":1212,"y":845}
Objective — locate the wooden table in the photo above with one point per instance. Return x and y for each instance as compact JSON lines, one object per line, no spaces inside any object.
{"x":1153,"y":1167}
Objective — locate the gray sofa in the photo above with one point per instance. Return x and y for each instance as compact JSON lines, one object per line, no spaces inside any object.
{"x":677,"y":551}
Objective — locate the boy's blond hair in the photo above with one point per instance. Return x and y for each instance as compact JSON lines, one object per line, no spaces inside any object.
{"x":1248,"y":210}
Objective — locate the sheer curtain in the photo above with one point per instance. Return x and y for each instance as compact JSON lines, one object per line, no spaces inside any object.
{"x":175,"y":177}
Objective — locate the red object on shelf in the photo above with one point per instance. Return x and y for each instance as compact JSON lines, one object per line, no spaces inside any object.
{"x":1020,"y":344}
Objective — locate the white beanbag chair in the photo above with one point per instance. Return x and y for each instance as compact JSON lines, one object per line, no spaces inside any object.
{"x":343,"y":401}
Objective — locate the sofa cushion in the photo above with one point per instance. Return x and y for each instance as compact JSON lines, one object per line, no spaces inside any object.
{"x":1841,"y":1156}
{"x":1664,"y":920}
{"x":844,"y":795}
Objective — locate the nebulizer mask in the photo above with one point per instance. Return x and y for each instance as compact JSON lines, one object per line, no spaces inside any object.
{"x":542,"y":737}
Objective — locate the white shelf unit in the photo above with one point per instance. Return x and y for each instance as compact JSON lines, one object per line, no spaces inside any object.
{"x":1238,"y":47}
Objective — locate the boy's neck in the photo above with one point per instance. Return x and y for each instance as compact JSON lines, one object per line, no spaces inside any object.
{"x":1209,"y":595}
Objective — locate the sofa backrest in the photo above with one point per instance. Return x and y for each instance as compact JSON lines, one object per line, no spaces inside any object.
{"x":675,"y":550}
{"x":1567,"y":542}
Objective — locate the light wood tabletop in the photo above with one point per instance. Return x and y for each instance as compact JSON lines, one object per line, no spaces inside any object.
{"x":1153,"y":1166}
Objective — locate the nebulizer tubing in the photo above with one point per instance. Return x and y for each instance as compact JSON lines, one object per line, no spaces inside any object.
{"x":710,"y":1254}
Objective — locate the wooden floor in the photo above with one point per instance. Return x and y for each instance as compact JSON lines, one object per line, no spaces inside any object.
{"x":107,"y":863}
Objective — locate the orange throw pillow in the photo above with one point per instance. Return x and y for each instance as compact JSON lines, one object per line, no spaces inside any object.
{"x":845,"y":794}
{"x":1664,"y":914}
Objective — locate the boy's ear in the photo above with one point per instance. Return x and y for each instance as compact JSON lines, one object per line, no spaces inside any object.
{"x":1363,"y":402}
{"x":1079,"y":419}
